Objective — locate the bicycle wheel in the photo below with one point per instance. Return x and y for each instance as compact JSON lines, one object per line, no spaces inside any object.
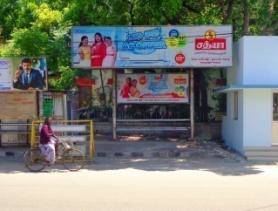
{"x":33,"y":160}
{"x":73,"y":159}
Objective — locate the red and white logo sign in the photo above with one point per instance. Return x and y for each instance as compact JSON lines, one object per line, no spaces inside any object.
{"x":210,"y":42}
{"x":180,"y":58}
{"x":213,"y":44}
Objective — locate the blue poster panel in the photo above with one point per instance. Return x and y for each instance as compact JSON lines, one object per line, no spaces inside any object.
{"x":97,"y":47}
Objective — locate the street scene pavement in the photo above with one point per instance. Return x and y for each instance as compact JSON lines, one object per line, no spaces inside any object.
{"x":210,"y":180}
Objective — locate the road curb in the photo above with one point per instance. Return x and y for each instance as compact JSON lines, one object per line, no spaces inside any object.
{"x":11,"y":153}
{"x":155,"y":154}
{"x":7,"y":154}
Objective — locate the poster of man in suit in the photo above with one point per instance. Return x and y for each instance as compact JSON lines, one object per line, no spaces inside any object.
{"x":23,"y":74}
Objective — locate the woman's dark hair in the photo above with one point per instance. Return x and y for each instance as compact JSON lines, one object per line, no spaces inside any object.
{"x":98,"y":34}
{"x":46,"y":120}
{"x":82,"y":38}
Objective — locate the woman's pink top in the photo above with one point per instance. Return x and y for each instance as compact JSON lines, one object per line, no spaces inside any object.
{"x":45,"y":134}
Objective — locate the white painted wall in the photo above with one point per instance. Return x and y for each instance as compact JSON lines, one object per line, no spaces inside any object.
{"x":232,"y":130}
{"x":255,"y":62}
{"x":257,"y":117}
{"x":260,"y":60}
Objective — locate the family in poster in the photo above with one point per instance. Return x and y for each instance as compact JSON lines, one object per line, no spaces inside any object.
{"x":102,"y":53}
{"x":130,"y":88}
{"x":159,"y":88}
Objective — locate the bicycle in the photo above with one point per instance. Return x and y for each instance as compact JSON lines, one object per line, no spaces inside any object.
{"x":72,"y":158}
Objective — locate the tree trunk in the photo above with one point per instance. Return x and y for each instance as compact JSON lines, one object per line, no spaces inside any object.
{"x":245,"y":18}
{"x":269,"y":29}
{"x":131,"y":7}
{"x":228,"y":13}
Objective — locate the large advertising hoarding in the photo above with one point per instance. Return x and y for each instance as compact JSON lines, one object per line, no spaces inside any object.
{"x":23,"y":74}
{"x":151,"y":46}
{"x":152,"y":88}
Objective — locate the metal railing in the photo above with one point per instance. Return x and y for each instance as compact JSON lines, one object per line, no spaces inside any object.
{"x":151,"y":118}
{"x":79,"y":132}
{"x":14,"y":132}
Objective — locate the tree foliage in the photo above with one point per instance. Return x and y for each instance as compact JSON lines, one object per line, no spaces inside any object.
{"x":42,"y":27}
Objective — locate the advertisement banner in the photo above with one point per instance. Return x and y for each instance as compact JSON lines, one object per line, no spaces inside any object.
{"x":152,"y":88}
{"x":96,"y":47}
{"x":5,"y":74}
{"x":23,"y":74}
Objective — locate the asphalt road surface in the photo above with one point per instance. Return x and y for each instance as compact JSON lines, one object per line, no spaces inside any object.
{"x":162,"y":184}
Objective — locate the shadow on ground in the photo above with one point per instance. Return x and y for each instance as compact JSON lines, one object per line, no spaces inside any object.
{"x":197,"y":156}
{"x":215,"y":165}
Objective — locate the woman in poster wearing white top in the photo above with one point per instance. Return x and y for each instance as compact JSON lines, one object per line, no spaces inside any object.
{"x":109,"y":59}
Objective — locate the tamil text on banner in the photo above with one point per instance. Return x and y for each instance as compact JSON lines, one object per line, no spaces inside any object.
{"x":157,"y":46}
{"x":152,"y":88}
{"x":28,"y":73}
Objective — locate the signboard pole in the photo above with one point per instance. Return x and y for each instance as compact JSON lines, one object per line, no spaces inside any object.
{"x":191,"y":104}
{"x":114,"y":102}
{"x":102,"y":87}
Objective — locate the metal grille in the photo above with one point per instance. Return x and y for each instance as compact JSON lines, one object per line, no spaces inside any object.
{"x":14,"y":132}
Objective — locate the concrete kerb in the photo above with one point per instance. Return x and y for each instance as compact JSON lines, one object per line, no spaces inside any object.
{"x":18,"y":153}
{"x":146,"y":150}
{"x":12,"y":152}
{"x":164,"y":154}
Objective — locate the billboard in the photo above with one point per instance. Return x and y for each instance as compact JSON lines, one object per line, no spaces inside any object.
{"x":23,"y":74}
{"x":95,"y":47}
{"x":152,"y":88}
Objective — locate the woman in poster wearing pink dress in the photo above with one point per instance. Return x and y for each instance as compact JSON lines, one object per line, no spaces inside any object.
{"x":98,"y":51}
{"x":109,"y":59}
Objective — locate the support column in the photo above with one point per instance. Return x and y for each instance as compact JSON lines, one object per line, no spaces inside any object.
{"x":191,"y":75}
{"x":114,"y":100}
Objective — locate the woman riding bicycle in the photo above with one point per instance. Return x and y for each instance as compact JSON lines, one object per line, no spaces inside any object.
{"x":48,"y":142}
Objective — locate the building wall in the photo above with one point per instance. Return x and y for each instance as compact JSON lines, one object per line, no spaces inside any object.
{"x":260,"y":54}
{"x":255,"y":62}
{"x":257,"y":117}
{"x":59,"y":108}
{"x":18,"y":105}
{"x":232,"y":130}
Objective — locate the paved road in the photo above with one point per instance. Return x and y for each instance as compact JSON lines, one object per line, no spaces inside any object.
{"x":162,"y":184}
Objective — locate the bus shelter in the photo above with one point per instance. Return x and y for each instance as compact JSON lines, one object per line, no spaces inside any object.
{"x":152,"y":65}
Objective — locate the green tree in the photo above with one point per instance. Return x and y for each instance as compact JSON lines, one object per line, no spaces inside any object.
{"x":42,"y":27}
